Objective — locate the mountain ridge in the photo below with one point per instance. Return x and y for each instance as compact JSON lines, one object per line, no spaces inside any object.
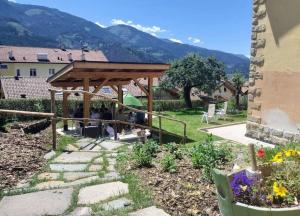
{"x":31,"y":25}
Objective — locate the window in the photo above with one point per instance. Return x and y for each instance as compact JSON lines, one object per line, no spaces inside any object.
{"x":51,"y":72}
{"x":3,"y":66}
{"x":33,"y":72}
{"x":18,"y":72}
{"x":225,"y":89}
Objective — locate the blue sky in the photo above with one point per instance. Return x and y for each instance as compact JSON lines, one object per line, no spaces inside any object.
{"x":215,"y":24}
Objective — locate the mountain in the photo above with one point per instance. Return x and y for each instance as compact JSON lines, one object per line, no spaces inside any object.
{"x":30,"y":25}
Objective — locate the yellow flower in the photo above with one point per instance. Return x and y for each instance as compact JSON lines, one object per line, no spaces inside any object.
{"x":290,"y":152}
{"x":270,"y":197}
{"x":278,"y":158}
{"x":279,"y":190}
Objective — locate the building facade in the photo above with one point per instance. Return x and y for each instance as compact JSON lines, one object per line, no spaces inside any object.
{"x":274,"y":92}
{"x":40,"y":62}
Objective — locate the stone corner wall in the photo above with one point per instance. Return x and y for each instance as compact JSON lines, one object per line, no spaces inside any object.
{"x":255,"y":127}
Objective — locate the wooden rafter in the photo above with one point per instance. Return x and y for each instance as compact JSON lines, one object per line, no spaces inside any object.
{"x":114,"y":88}
{"x":100,"y":86}
{"x":141,"y":87}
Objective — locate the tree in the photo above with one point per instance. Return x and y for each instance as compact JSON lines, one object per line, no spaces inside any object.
{"x":238,"y":82}
{"x":194,"y":71}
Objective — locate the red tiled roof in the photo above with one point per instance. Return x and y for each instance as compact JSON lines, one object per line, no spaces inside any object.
{"x":34,"y":87}
{"x":29,"y":55}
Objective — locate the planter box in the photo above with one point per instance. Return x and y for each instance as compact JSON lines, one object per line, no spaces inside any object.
{"x":229,"y":207}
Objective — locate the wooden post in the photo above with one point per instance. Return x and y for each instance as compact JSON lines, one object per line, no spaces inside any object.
{"x":120,"y":96}
{"x":86,"y":100}
{"x":252,"y":157}
{"x":53,"y":120}
{"x":150,"y":100}
{"x":160,"y":132}
{"x":184,"y":134}
{"x":65,"y":109}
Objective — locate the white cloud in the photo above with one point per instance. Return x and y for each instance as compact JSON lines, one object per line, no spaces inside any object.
{"x":194,"y":40}
{"x":14,"y":1}
{"x":153,"y":30}
{"x":101,"y":25}
{"x":176,"y":40}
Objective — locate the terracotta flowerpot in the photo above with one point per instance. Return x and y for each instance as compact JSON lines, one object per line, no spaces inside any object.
{"x":229,"y":207}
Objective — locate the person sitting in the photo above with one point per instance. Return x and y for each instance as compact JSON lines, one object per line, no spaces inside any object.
{"x":95,"y":115}
{"x":107,"y":115}
{"x":110,"y":130}
{"x":140,"y":118}
{"x":79,"y":114}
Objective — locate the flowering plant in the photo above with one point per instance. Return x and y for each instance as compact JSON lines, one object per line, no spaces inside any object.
{"x":280,"y":188}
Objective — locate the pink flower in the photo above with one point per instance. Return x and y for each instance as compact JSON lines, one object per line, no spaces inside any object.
{"x":261,"y":153}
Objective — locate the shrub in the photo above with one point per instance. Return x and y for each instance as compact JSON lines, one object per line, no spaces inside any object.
{"x":206,"y":156}
{"x":141,"y":155}
{"x":172,"y":105}
{"x":168,"y":163}
{"x":173,"y":148}
{"x":152,"y":147}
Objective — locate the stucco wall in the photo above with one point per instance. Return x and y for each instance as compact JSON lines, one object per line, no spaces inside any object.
{"x":42,"y":69}
{"x":275,"y":71}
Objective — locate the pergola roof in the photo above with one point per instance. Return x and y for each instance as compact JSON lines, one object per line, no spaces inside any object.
{"x":114,"y":73}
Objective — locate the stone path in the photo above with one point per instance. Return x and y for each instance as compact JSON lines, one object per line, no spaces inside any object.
{"x":85,"y":173}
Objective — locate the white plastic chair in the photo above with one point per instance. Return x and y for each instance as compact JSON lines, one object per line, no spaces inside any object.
{"x":207,"y":116}
{"x":222,"y":113}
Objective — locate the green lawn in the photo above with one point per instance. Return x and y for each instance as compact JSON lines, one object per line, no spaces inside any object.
{"x":193,"y":117}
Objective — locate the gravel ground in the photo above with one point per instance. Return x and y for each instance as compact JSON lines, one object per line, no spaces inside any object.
{"x":21,"y":155}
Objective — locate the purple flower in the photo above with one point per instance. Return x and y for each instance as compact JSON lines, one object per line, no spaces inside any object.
{"x":241,"y":183}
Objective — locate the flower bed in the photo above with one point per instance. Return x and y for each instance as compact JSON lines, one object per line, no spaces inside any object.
{"x":274,"y":188}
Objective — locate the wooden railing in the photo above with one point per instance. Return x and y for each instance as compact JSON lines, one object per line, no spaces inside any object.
{"x":160,"y":117}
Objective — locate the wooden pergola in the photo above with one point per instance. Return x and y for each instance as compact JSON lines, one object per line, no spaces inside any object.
{"x":99,"y":74}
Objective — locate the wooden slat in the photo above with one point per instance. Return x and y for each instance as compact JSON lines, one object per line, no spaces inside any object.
{"x":141,"y":87}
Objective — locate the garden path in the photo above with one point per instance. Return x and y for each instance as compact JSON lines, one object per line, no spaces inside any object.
{"x":80,"y":182}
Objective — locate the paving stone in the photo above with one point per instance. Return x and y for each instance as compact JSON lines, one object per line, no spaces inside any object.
{"x":111,"y":145}
{"x":111,"y":176}
{"x":81,"y":211}
{"x":116,"y":204}
{"x":72,"y":176}
{"x":113,"y":155}
{"x":71,"y":148}
{"x":50,"y":155}
{"x":48,"y":176}
{"x":95,"y":168}
{"x":111,"y":168}
{"x":96,"y":193}
{"x":151,"y":211}
{"x":76,"y":157}
{"x":82,"y":143}
{"x":82,"y":181}
{"x":51,"y":202}
{"x":98,"y":160}
{"x":49,"y":185}
{"x":68,"y":167}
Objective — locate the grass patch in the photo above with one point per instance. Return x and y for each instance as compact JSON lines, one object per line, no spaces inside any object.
{"x":193,"y":117}
{"x":63,"y":141}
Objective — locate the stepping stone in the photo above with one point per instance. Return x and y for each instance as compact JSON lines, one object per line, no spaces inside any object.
{"x":113,"y":155}
{"x":68,"y":167}
{"x":98,"y":160}
{"x":96,"y":193}
{"x":116,"y":204}
{"x":95,"y":168}
{"x":82,"y":143}
{"x":111,"y":145}
{"x":49,"y":185}
{"x":71,"y":148}
{"x":52,"y":202}
{"x":72,"y":176}
{"x":81,"y":211}
{"x":111,"y":176}
{"x":111,"y":168}
{"x":49,"y":155}
{"x":112,"y":161}
{"x":82,"y":181}
{"x":76,"y":157}
{"x":151,"y":211}
{"x":48,"y":176}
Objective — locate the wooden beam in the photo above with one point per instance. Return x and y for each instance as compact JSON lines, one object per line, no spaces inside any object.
{"x":65,"y":109}
{"x":124,"y":75}
{"x":86,"y":100}
{"x":99,"y":87}
{"x":73,"y":88}
{"x":150,"y":100}
{"x":120,"y":94}
{"x":76,"y":84}
{"x":114,"y":88}
{"x":141,"y":87}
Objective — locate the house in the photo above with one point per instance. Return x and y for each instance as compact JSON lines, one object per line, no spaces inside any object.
{"x":24,"y":70}
{"x":223,"y":92}
{"x":41,"y":62}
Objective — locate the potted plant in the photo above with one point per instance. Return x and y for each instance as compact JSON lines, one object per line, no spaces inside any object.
{"x":272,"y":188}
